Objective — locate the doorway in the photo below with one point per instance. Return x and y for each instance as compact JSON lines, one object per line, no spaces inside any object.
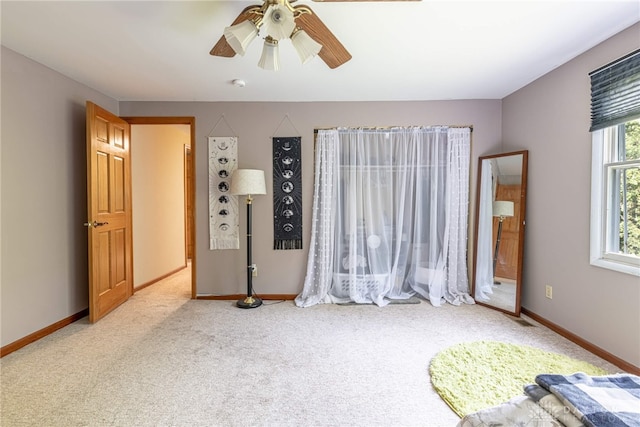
{"x":163,"y":158}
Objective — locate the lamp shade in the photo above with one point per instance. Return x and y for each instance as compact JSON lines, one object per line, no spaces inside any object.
{"x":502,"y":208}
{"x":270,"y":59}
{"x":248,"y":182}
{"x":239,"y":36}
{"x":306,"y":47}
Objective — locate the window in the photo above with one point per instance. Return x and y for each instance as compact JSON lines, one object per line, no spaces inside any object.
{"x":615,"y":230}
{"x":615,"y":171}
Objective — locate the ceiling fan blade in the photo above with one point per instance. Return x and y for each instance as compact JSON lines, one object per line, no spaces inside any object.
{"x":222,"y":48}
{"x":333,"y":53}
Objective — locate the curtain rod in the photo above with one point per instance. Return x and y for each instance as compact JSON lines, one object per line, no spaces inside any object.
{"x":470,"y":127}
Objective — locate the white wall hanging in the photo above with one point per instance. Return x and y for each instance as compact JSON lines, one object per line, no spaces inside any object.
{"x":223,"y":207}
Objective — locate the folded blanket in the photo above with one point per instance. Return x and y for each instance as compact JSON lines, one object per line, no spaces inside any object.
{"x":552,"y":405}
{"x":612,"y":400}
{"x":519,"y":411}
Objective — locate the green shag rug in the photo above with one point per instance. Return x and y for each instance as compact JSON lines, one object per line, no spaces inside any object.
{"x":478,"y":375}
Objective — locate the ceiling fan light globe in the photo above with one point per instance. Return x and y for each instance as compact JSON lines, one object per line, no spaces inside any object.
{"x":278,"y":22}
{"x":270,"y":59}
{"x":306,"y":47}
{"x":239,"y":36}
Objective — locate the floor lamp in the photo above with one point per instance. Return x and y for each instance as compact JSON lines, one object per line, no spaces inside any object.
{"x":248,"y":182}
{"x":501,"y":209}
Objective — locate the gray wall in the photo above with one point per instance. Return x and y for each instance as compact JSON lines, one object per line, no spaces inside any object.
{"x":282,"y":272}
{"x":550,"y":117}
{"x":44,"y":243}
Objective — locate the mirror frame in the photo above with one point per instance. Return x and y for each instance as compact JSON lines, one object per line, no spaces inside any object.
{"x":521,"y":230}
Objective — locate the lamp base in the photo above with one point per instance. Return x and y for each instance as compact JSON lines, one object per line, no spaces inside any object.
{"x":249,"y":302}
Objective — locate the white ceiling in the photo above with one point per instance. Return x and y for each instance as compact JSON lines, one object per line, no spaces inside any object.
{"x":426,"y":50}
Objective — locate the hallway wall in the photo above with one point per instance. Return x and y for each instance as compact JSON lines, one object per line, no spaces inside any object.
{"x":158,"y":198}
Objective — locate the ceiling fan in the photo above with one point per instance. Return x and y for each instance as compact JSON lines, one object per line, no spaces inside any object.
{"x":280,"y":19}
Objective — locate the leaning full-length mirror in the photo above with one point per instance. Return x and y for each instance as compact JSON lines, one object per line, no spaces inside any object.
{"x":499,"y":239}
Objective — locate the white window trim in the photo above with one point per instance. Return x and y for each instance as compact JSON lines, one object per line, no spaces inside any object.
{"x":598,"y":255}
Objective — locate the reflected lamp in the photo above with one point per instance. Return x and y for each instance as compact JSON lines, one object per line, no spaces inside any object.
{"x":501,"y":209}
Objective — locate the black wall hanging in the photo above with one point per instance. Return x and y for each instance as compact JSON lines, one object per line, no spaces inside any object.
{"x":287,"y":193}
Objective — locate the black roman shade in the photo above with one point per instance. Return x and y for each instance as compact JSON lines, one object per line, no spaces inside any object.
{"x":615,"y":92}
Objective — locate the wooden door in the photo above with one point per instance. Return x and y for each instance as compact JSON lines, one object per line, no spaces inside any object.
{"x":109,"y":211}
{"x":507,"y":266}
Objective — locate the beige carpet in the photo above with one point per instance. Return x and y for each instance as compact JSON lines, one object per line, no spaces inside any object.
{"x":162,"y":359}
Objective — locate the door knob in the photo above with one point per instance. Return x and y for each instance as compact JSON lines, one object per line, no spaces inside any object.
{"x":95,"y":224}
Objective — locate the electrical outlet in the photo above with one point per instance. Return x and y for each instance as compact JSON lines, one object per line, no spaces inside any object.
{"x":548,"y":291}
{"x":254,"y":270}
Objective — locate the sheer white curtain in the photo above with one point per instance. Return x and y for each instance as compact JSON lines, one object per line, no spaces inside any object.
{"x":484,"y":256}
{"x":390,"y":213}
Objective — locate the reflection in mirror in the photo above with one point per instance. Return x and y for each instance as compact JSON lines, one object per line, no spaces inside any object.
{"x":500,"y":209}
